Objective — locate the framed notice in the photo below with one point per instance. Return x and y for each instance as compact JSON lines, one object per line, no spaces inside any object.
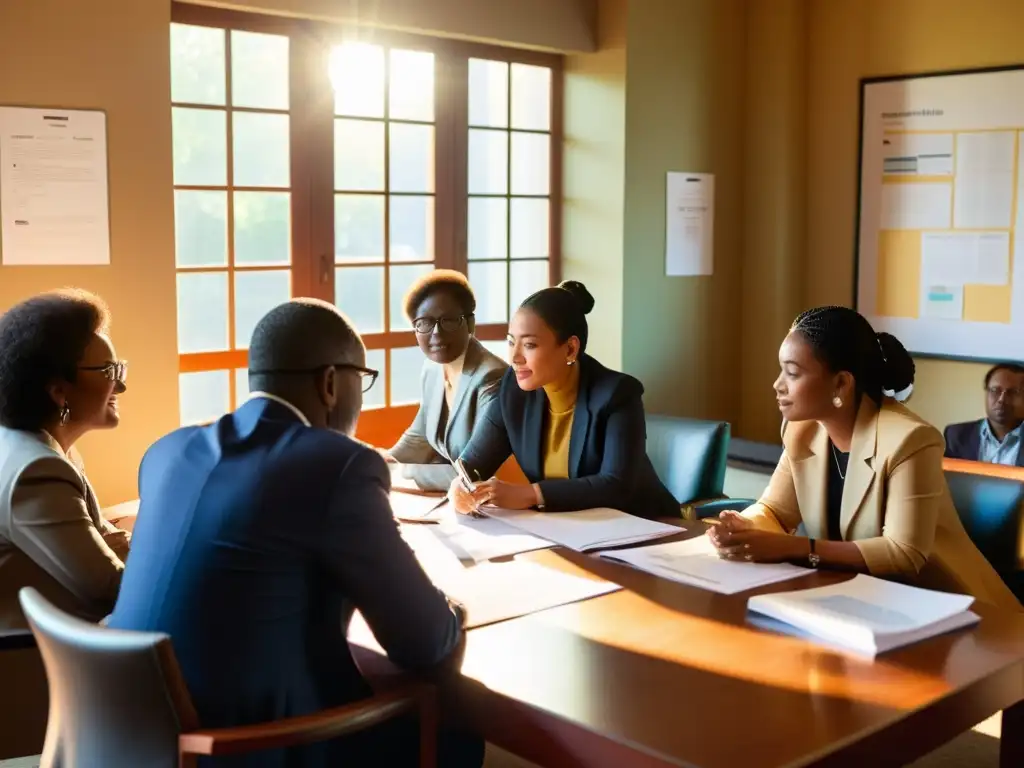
{"x":54,"y":202}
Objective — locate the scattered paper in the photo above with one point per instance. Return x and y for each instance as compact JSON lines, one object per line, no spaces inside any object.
{"x":53,"y":187}
{"x":476,"y":539}
{"x":915,"y":205}
{"x":587,"y":529}
{"x":417,"y":508}
{"x":696,"y":562}
{"x":689,"y":224}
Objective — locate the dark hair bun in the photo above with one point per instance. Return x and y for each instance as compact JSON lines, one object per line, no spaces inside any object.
{"x":899,"y":370}
{"x":580,"y":293}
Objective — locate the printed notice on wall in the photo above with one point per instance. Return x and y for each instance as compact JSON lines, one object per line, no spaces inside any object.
{"x":53,"y":187}
{"x":689,"y":223}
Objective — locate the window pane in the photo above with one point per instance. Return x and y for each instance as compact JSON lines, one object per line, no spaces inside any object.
{"x":401,"y":278}
{"x":261,"y":145}
{"x":357,"y":74}
{"x":241,"y":385}
{"x":412,"y":228}
{"x":263,"y":231}
{"x":200,"y":147}
{"x":526,"y":278}
{"x":197,"y":64}
{"x":203,"y":396}
{"x":488,"y":93}
{"x":531,"y":163}
{"x":202,"y":311}
{"x":359,"y":293}
{"x":359,"y":228}
{"x":531,"y":97}
{"x":530,"y":228}
{"x":358,"y":155}
{"x":406,"y":365}
{"x":488,"y":228}
{"x":200,"y":228}
{"x":499,"y":348}
{"x":411,"y":86}
{"x":490,"y":283}
{"x":256,"y":293}
{"x":412,"y":158}
{"x":375,"y":358}
{"x":259,"y":70}
{"x":488,"y":162}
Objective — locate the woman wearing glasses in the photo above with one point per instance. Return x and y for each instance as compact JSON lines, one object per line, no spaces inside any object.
{"x":458,"y":381}
{"x":59,"y":379}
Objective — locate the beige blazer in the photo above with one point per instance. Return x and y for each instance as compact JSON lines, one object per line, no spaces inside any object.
{"x":896,"y":505}
{"x":52,"y":534}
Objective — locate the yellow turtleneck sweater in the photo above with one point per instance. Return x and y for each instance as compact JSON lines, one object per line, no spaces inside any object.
{"x":561,"y":407}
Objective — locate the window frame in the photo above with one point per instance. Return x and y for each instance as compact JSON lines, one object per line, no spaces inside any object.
{"x":312,"y":177}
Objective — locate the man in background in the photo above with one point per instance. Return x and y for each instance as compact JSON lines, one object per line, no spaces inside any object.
{"x":995,"y":439}
{"x":259,"y":534}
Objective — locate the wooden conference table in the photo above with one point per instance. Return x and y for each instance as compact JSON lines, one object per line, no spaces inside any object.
{"x":662,"y":674}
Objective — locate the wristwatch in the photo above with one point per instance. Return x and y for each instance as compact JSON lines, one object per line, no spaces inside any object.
{"x":813,"y":559}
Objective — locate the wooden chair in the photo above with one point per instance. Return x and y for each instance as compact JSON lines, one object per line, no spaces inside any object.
{"x":118,"y":698}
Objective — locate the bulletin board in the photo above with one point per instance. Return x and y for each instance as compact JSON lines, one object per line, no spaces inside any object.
{"x":941,"y":208}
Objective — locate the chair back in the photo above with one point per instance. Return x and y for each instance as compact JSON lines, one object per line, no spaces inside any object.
{"x":689,"y":456}
{"x":992,"y":510}
{"x":116,"y":697}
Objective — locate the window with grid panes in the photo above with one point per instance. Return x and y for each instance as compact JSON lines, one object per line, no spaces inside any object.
{"x":316,"y":160}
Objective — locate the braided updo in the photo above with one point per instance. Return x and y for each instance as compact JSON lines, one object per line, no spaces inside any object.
{"x":843,"y":340}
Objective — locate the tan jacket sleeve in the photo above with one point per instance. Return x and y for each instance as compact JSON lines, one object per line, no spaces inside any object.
{"x":50,"y":523}
{"x":913,"y":496}
{"x":777,"y":510}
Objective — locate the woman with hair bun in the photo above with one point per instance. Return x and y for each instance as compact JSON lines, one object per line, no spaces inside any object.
{"x":576,"y":428}
{"x":860,"y":471}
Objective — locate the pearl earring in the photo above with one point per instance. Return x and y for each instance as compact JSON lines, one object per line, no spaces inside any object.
{"x":570,"y":362}
{"x":64,"y":415}
{"x":837,"y":401}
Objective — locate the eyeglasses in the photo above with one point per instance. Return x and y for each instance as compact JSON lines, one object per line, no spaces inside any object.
{"x":425,"y":325}
{"x":116,"y":370}
{"x":1011,"y":394}
{"x":368,"y":375}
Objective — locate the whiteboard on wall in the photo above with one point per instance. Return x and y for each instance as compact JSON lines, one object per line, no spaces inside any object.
{"x":940,"y":262}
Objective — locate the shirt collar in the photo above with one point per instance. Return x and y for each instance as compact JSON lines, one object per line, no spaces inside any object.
{"x":988,"y":434}
{"x":280,"y":401}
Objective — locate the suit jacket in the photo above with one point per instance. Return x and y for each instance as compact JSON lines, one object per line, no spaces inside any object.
{"x":429,"y":446}
{"x":963,"y":441}
{"x":896,"y":506}
{"x":608,"y":463}
{"x":52,"y":533}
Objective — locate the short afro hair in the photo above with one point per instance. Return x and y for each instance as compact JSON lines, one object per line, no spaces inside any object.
{"x":42,"y":340}
{"x":448,"y":280}
{"x":1011,"y":367}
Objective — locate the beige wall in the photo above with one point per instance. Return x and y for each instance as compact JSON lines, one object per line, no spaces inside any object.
{"x":850,"y":39}
{"x":111,"y":55}
{"x":556,"y":25}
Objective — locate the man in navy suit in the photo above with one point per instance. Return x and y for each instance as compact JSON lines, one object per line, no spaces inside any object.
{"x":995,"y":439}
{"x":259,"y":534}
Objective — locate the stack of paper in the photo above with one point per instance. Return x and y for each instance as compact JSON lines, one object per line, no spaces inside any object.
{"x":867,"y":615}
{"x":476,"y":539}
{"x":586,"y":530}
{"x":697,"y":563}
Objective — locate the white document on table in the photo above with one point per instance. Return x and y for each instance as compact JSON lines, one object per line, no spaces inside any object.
{"x":696,"y":562}
{"x":585,"y":530}
{"x":417,"y":508}
{"x":476,"y":539}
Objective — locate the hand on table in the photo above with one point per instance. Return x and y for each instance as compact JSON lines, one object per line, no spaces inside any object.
{"x":386,"y":455}
{"x":736,"y":538}
{"x":492,"y":493}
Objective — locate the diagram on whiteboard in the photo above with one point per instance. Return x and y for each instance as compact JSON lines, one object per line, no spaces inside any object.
{"x":941,"y":206}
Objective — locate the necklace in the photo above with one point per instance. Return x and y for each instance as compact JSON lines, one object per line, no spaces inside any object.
{"x":835,"y":455}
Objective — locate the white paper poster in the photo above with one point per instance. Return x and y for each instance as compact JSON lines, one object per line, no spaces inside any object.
{"x":53,"y":187}
{"x":689,"y":223}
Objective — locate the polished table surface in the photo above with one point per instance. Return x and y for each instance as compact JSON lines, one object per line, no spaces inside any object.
{"x":663,"y":674}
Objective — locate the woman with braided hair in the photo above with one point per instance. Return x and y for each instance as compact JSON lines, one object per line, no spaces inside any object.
{"x":860,"y":471}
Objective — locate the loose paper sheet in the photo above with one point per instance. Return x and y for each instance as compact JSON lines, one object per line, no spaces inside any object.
{"x":53,"y":187}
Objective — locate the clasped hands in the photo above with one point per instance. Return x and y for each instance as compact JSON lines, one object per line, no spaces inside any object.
{"x":736,"y":538}
{"x":491,"y":493}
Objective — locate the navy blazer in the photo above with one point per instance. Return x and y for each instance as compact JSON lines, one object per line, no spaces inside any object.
{"x":608,"y":463}
{"x":963,"y":441}
{"x":256,"y":538}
